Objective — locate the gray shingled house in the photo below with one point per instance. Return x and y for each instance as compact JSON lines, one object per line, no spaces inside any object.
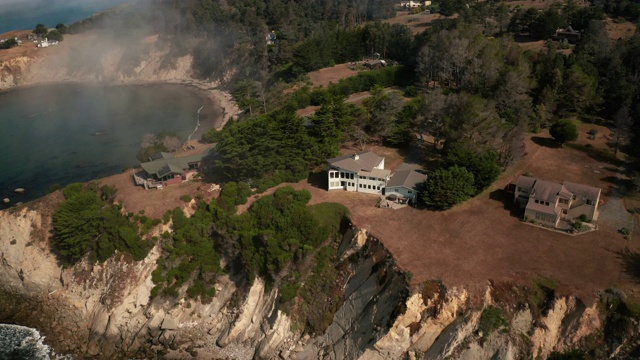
{"x":405,"y":184}
{"x":547,"y":202}
{"x":164,"y":169}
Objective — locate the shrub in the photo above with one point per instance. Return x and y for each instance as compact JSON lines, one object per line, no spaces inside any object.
{"x":185,"y":198}
{"x":583,"y":218}
{"x":577,"y":225}
{"x":490,"y":320}
{"x":563,"y":131}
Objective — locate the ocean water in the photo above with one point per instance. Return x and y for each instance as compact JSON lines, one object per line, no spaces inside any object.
{"x":26,"y":14}
{"x":64,"y":133}
{"x":24,"y":343}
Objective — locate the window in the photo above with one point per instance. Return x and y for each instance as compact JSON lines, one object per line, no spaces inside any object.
{"x":589,"y":202}
{"x":351,"y":176}
{"x":360,"y":185}
{"x":546,"y":203}
{"x":410,"y":192}
{"x":369,"y":187}
{"x":537,"y":201}
{"x":378,"y":188}
{"x":519,"y":189}
{"x":341,"y":175}
{"x":362,"y":177}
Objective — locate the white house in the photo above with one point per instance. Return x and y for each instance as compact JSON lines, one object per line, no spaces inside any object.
{"x":405,"y":184}
{"x":360,"y":172}
{"x":414,"y":4}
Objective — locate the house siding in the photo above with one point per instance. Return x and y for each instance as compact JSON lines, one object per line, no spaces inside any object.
{"x":542,"y":218}
{"x":402,"y":191}
{"x":339,"y":179}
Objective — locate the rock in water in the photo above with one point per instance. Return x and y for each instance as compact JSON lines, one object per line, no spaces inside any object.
{"x":6,"y":200}
{"x":20,"y":342}
{"x":19,"y":190}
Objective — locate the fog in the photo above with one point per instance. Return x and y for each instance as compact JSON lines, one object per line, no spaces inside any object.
{"x":26,"y":14}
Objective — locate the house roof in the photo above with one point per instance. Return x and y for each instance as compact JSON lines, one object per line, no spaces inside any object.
{"x":377,"y":173}
{"x":590,"y":192}
{"x":176,"y":165}
{"x":526,"y":182}
{"x":366,"y":161}
{"x":160,"y":155}
{"x":409,"y":179}
{"x":546,"y":190}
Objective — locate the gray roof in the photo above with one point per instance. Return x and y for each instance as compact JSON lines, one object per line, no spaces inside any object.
{"x":376,"y":173}
{"x":366,"y":161}
{"x":173,"y":165}
{"x":526,"y":182}
{"x":161,"y":155}
{"x":409,"y":179}
{"x":546,"y":190}
{"x":590,"y":192}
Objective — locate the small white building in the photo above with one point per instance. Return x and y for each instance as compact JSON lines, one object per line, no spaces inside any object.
{"x":414,"y":4}
{"x":46,"y":43}
{"x":405,"y":184}
{"x":360,"y":172}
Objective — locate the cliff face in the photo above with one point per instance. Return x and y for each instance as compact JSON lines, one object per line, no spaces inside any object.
{"x":106,"y":310}
{"x":99,"y":57}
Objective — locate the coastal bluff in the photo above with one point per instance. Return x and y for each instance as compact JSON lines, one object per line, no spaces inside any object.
{"x":106,"y":310}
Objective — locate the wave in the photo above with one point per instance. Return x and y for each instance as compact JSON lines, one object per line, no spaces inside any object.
{"x":197,"y":121}
{"x":21,"y":342}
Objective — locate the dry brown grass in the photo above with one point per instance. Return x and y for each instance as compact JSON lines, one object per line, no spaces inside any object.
{"x":480,"y":240}
{"x":417,"y":23}
{"x":617,"y":31}
{"x":326,"y":76}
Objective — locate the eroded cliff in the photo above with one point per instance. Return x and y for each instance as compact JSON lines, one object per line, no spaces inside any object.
{"x":106,"y":311}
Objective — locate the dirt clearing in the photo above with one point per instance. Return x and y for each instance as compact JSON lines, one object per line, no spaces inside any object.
{"x":481,"y":240}
{"x":326,"y":76}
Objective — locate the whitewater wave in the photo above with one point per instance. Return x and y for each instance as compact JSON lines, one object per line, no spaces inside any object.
{"x":21,"y":342}
{"x":197,"y":122}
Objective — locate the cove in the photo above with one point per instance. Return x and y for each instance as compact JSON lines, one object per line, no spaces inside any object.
{"x":64,"y":133}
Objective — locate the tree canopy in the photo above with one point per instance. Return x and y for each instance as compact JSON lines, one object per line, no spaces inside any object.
{"x":87,"y":222}
{"x":447,"y":187}
{"x":563,"y":131}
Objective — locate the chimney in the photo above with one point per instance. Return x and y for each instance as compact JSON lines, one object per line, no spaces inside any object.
{"x":355,"y":156}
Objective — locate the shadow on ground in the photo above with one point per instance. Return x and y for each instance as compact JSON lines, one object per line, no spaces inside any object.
{"x":630,"y":263}
{"x":506,"y":198}
{"x":318,"y":180}
{"x":546,"y":142}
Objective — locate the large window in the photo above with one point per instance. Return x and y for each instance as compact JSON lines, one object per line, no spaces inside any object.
{"x":546,"y":217}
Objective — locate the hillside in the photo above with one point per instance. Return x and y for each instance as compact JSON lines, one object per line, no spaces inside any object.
{"x":273,"y":265}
